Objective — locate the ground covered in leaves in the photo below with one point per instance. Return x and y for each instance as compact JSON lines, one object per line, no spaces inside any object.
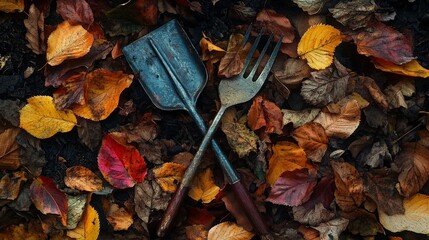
{"x":334,"y":146}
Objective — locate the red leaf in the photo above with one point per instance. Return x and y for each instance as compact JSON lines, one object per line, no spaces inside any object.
{"x":264,"y":113}
{"x":293,"y":188}
{"x":323,"y":193}
{"x":77,"y":11}
{"x":48,"y":199}
{"x":200,"y":216}
{"x":121,"y":165}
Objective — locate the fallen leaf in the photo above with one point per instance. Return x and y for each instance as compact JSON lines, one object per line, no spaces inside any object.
{"x":349,"y":193}
{"x":210,"y":51}
{"x":271,"y":22}
{"x":119,"y":218}
{"x":407,"y":86}
{"x":203,"y":187}
{"x":169,"y":175}
{"x":21,"y":231}
{"x":310,"y":6}
{"x":286,"y":156}
{"x":378,"y":154}
{"x":414,"y":219}
{"x":299,"y":118}
{"x":380,"y":187}
{"x":394,"y":96}
{"x":264,"y":113}
{"x":82,"y":179}
{"x":89,"y":133}
{"x":235,"y":208}
{"x":9,"y":111}
{"x":242,"y":12}
{"x":148,"y":11}
{"x":35,"y":34}
{"x":232,"y":63}
{"x":121,"y":165}
{"x":89,"y":226}
{"x":72,"y":91}
{"x":10,"y":185}
{"x":413,"y":163}
{"x":75,"y":11}
{"x":12,"y":5}
{"x":364,"y":226}
{"x":312,"y":138}
{"x":354,"y":14}
{"x":41,"y":119}
{"x":240,"y":138}
{"x":412,"y":68}
{"x":103,"y":91}
{"x":318,"y":44}
{"x":312,"y":216}
{"x":331,"y":230}
{"x":375,"y":92}
{"x":335,"y":107}
{"x":309,"y":233}
{"x":200,"y":216}
{"x":293,"y":188}
{"x":343,"y":124}
{"x":292,"y":72}
{"x":75,"y":210}
{"x":327,"y":85}
{"x":9,"y":149}
{"x":48,"y":199}
{"x":145,"y":129}
{"x":149,"y":196}
{"x":382,"y":41}
{"x":67,"y":42}
{"x":31,"y":152}
{"x":229,"y":231}
{"x":196,"y":232}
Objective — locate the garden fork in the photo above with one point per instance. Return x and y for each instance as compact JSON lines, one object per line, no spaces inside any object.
{"x":236,"y":90}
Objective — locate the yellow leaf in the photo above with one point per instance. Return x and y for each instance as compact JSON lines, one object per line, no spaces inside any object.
{"x":210,"y":50}
{"x":229,"y":231}
{"x":415,"y":218}
{"x":203,"y":187}
{"x":287,"y":156}
{"x":12,"y":5}
{"x":318,"y":44}
{"x":169,"y":175}
{"x":66,"y":42}
{"x":413,"y":68}
{"x":89,"y":226}
{"x":41,"y":119}
{"x":103,"y":90}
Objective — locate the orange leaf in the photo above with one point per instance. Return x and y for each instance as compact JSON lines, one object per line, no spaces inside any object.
{"x":89,"y":226}
{"x":210,"y":51}
{"x":264,"y":113}
{"x":309,"y":233}
{"x":12,"y":5}
{"x":48,"y":199}
{"x":119,"y":218}
{"x":83,"y":179}
{"x":270,"y":21}
{"x":287,"y":156}
{"x":169,"y":175}
{"x":412,"y":68}
{"x":312,"y":138}
{"x":66,"y":42}
{"x":203,"y":187}
{"x":9,"y":149}
{"x":103,"y":90}
{"x":196,"y":232}
{"x":10,"y":185}
{"x":343,"y":124}
{"x":349,"y":193}
{"x":318,"y":44}
{"x":233,"y":62}
{"x":229,"y":231}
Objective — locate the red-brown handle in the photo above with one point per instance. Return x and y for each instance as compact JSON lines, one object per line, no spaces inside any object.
{"x":250,"y":208}
{"x":172,"y":210}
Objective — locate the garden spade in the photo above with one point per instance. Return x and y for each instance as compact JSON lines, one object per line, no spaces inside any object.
{"x":172,"y":74}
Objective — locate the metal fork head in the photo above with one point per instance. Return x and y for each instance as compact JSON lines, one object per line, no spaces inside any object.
{"x":241,"y":89}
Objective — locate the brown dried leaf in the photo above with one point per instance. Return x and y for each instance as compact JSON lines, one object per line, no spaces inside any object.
{"x":149,"y":196}
{"x":354,"y":14}
{"x":71,"y":92}
{"x":240,"y":138}
{"x":312,"y":138}
{"x":331,"y":230}
{"x":274,"y":23}
{"x":309,"y":233}
{"x":310,"y":6}
{"x":89,"y":133}
{"x":145,"y":130}
{"x":234,"y":207}
{"x":10,"y":185}
{"x":349,"y":193}
{"x":83,"y":179}
{"x":375,"y":92}
{"x":313,"y":216}
{"x":232,"y":63}
{"x":395,"y":98}
{"x":264,"y":113}
{"x":35,"y":30}
{"x":343,"y":124}
{"x":119,"y":218}
{"x":196,"y":232}
{"x":9,"y":149}
{"x":292,"y":72}
{"x":299,"y":118}
{"x":75,"y":11}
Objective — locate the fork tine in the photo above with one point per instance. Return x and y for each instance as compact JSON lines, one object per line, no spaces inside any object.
{"x":251,"y":52}
{"x":246,"y":35}
{"x":270,"y":62}
{"x":261,"y":55}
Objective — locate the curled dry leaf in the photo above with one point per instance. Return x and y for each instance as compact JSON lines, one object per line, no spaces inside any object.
{"x":312,"y":216}
{"x":349,"y":193}
{"x":103,"y":91}
{"x":35,"y":34}
{"x":12,"y":5}
{"x":232,"y":63}
{"x":264,"y":113}
{"x":343,"y":124}
{"x":203,"y":187}
{"x":75,"y":11}
{"x":274,"y":23}
{"x":76,"y":209}
{"x":82,"y":179}
{"x":9,"y":149}
{"x":413,"y":163}
{"x":308,"y":233}
{"x":48,"y":199}
{"x":318,"y":44}
{"x":292,"y":72}
{"x":310,"y":6}
{"x":299,"y":118}
{"x":331,"y":230}
{"x":312,"y":138}
{"x":375,"y":92}
{"x":286,"y":156}
{"x":414,"y":219}
{"x":121,"y":165}
{"x":394,"y":96}
{"x":240,"y":138}
{"x":412,"y":68}
{"x":354,"y":14}
{"x":88,"y":227}
{"x":66,"y":42}
{"x":10,"y":185}
{"x":149,"y":196}
{"x":41,"y":119}
{"x":119,"y":218}
{"x":382,"y":41}
{"x":169,"y":175}
{"x":229,"y":231}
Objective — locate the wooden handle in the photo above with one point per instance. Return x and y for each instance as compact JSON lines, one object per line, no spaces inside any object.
{"x":172,"y":210}
{"x":250,"y":208}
